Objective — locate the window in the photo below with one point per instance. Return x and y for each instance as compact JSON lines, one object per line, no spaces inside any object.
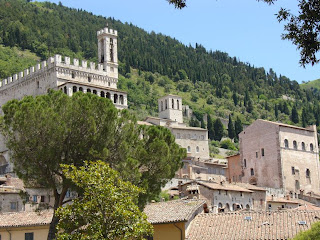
{"x":252,"y":171}
{"x":89,"y":79}
{"x":303,"y":146}
{"x":269,"y":206}
{"x":262,"y":152}
{"x":102,"y":94}
{"x":240,"y":194}
{"x":219,"y":192}
{"x":13,"y":205}
{"x":286,"y":143}
{"x":74,"y":89}
{"x":295,"y":146}
{"x":166,"y":104}
{"x":282,"y":206}
{"x":42,"y":198}
{"x":28,"y":236}
{"x":73,"y":75}
{"x":308,"y":173}
{"x":256,"y":154}
{"x":80,"y":89}
{"x":38,"y":85}
{"x":178,"y":104}
{"x":311,"y":147}
{"x":189,"y":149}
{"x":65,"y":90}
{"x":172,"y":104}
{"x":34,"y":198}
{"x":197,"y":149}
{"x":297,"y":184}
{"x":226,"y":192}
{"x":245,"y":163}
{"x":89,"y":90}
{"x":293,"y":171}
{"x":94,"y":92}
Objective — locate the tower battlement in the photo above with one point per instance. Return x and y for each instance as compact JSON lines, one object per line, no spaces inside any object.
{"x":108,"y":31}
{"x":56,"y":61}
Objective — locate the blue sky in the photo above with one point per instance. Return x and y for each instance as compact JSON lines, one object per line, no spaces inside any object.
{"x":246,"y":29}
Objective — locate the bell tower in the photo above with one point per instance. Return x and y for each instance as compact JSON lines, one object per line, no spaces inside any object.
{"x":108,"y":51}
{"x":170,"y":107}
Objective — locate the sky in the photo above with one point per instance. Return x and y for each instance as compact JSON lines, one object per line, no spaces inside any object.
{"x":246,"y":29}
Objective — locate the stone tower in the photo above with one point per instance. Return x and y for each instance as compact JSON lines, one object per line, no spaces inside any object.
{"x":170,"y":107}
{"x":108,"y":51}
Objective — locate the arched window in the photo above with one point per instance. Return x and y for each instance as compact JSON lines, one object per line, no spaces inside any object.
{"x":73,"y":75}
{"x":303,"y":146}
{"x":307,"y":173}
{"x":252,"y":172}
{"x":189,"y":149}
{"x":172,"y":104}
{"x":295,"y":146}
{"x":311,"y":147}
{"x":115,"y":98}
{"x":247,"y":207}
{"x":227,"y":207}
{"x":178,"y":104}
{"x":286,"y":143}
{"x":108,"y":95}
{"x":166,"y":103}
{"x":74,"y":89}
{"x":80,"y":89}
{"x":94,"y":92}
{"x":65,"y":89}
{"x":197,"y":149}
{"x":220,"y":205}
{"x":88,"y":90}
{"x":121,"y":99}
{"x":102,"y":94}
{"x":89,"y":79}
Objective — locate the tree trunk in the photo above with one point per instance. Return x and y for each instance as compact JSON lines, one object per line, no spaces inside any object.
{"x":52,"y":228}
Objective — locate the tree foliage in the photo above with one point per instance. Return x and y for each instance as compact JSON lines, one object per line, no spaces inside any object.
{"x":218,"y":129}
{"x":311,"y":234}
{"x":105,"y":209}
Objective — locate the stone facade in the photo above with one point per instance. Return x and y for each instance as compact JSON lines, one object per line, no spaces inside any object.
{"x":234,"y":170}
{"x":280,"y":156}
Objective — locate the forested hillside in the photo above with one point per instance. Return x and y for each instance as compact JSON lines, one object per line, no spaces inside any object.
{"x":209,"y":81}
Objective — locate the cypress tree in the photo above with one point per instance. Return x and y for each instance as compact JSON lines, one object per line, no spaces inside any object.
{"x":238,"y":127}
{"x":276,"y":113}
{"x":218,"y":129}
{"x":210,"y":128}
{"x":294,"y":115}
{"x":231,"y":131}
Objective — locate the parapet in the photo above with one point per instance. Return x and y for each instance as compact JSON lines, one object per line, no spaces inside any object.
{"x":107,"y":31}
{"x":52,"y":61}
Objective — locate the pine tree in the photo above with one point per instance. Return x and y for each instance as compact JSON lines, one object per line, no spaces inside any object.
{"x":294,"y":115}
{"x":218,"y":129}
{"x":231,"y":131}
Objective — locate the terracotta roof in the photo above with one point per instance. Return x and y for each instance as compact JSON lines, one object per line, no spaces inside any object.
{"x":144,"y":123}
{"x":172,"y":211}
{"x":286,"y":125}
{"x":16,"y":183}
{"x":22,"y":219}
{"x":281,"y":200}
{"x":250,"y":186}
{"x":307,"y":207}
{"x":251,"y":225}
{"x":224,"y":186}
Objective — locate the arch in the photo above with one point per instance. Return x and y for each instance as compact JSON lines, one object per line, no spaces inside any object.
{"x":74,"y":89}
{"x":227,"y":208}
{"x":121,"y":99}
{"x":311,"y":147}
{"x":65,"y":90}
{"x":247,"y":207}
{"x":286,"y":143}
{"x":94,"y":92}
{"x":295,"y":145}
{"x":303,"y":146}
{"x":172,"y":103}
{"x":102,"y":94}
{"x":80,"y":89}
{"x":219,"y":205}
{"x":188,"y":149}
{"x":178,"y":104}
{"x":115,"y":98}
{"x":88,"y":90}
{"x":108,"y":95}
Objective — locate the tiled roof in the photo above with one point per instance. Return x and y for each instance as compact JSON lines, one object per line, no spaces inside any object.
{"x":250,"y":186}
{"x":224,"y":186}
{"x":286,"y":125}
{"x":172,"y":211}
{"x":144,"y":123}
{"x":251,"y":225}
{"x":23,"y":219}
{"x":282,"y":200}
{"x":15,"y":182}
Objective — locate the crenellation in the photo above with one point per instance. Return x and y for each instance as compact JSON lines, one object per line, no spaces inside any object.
{"x":67,"y":60}
{"x":43,"y":64}
{"x":84,"y":64}
{"x":58,"y":58}
{"x":92,"y":65}
{"x":26,"y":72}
{"x":20,"y":75}
{"x":32,"y":69}
{"x":100,"y":67}
{"x":15,"y":77}
{"x":9,"y":80}
{"x":76,"y":62}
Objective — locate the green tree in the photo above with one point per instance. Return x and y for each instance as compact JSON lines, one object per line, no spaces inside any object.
{"x":210,"y":128}
{"x":218,"y":129}
{"x":231,"y":131}
{"x":294,"y":115}
{"x":45,"y":131}
{"x":104,"y":199}
{"x":311,"y":234}
{"x":238,"y":127}
{"x":276,"y":112}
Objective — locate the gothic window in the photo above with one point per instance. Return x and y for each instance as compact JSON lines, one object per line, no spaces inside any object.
{"x":121,"y":99}
{"x":94,"y":91}
{"x":308,"y":173}
{"x":102,"y":94}
{"x":88,"y":90}
{"x":172,"y":104}
{"x":286,"y":143}
{"x":108,"y":95}
{"x":80,"y":89}
{"x":311,"y":147}
{"x":178,"y":104}
{"x":115,"y":98}
{"x":74,"y":89}
{"x":303,"y":146}
{"x":295,"y":146}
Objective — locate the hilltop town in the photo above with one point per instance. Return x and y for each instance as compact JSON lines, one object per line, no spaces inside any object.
{"x":268,"y":190}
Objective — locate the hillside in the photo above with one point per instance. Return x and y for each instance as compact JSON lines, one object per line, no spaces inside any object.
{"x":313,"y":85}
{"x":209,"y":81}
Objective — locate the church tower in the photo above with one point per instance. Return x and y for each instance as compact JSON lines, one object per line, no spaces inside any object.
{"x":108,"y":51}
{"x":170,"y":107}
